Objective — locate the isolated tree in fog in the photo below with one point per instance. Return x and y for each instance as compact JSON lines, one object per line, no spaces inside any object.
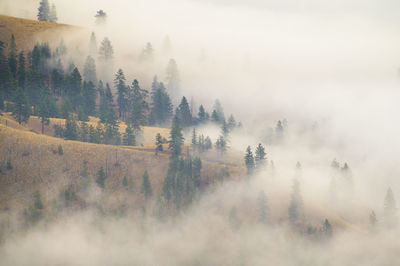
{"x":202,"y":115}
{"x":176,"y":138}
{"x":159,"y":143}
{"x":184,"y":114}
{"x":146,"y":186}
{"x":296,"y":203}
{"x":279,"y":131}
{"x":89,"y":70}
{"x":101,"y":178}
{"x":106,"y":51}
{"x":249,"y":161}
{"x":43,"y":11}
{"x":53,"y":13}
{"x":231,"y":122}
{"x":390,"y":209}
{"x":172,"y":78}
{"x":262,"y":208}
{"x":220,"y":145}
{"x":217,"y":115}
{"x":373,"y":221}
{"x":260,"y":158}
{"x":326,"y":230}
{"x":20,"y":108}
{"x":147,"y":53}
{"x":101,"y":17}
{"x":194,"y":140}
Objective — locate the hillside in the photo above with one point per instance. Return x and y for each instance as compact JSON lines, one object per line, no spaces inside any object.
{"x":28,"y":32}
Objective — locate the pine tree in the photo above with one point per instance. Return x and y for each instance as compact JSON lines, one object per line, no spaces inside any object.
{"x":12,"y":58}
{"x":21,"y":71}
{"x":172,"y":78}
{"x":74,"y":88}
{"x":129,"y":137}
{"x":202,"y":115}
{"x":93,"y":45}
{"x":326,"y":230}
{"x":101,"y":17}
{"x":146,"y":186}
{"x":89,"y":70}
{"x":106,"y":51}
{"x":184,"y":113}
{"x":176,"y":138}
{"x":101,"y":178}
{"x":122,"y":90}
{"x":221,"y":145}
{"x":194,"y":140}
{"x":139,"y":105}
{"x":196,"y":172}
{"x":147,"y":53}
{"x":373,"y":221}
{"x":47,"y":108}
{"x":263,"y":210}
{"x":231,"y":122}
{"x":218,"y":115}
{"x":159,"y":143}
{"x":20,"y":109}
{"x":71,"y":128}
{"x":390,"y":209}
{"x":296,"y":203}
{"x":89,"y":95}
{"x":161,"y":108}
{"x":53,"y":13}
{"x":5,"y":75}
{"x":207,"y":143}
{"x":260,"y":158}
{"x":249,"y":161}
{"x":279,"y":131}
{"x":225,"y":130}
{"x":44,"y":11}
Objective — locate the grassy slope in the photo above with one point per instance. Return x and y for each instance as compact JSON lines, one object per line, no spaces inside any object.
{"x":27,"y":32}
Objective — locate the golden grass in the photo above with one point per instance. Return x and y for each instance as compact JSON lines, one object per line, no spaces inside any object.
{"x":28,"y":32}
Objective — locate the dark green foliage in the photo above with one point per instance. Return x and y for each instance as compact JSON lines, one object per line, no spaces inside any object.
{"x":89,"y":70}
{"x":89,"y":95}
{"x":47,"y":108}
{"x":101,"y":178}
{"x":20,"y":108}
{"x":296,"y":204}
{"x":194,"y":140}
{"x":217,"y":115}
{"x":129,"y":137}
{"x":66,"y":108}
{"x":2,"y":106}
{"x":260,"y":158}
{"x":74,"y":88}
{"x":60,"y":150}
{"x":12,"y":58}
{"x":44,"y":11}
{"x":71,"y":128}
{"x":202,"y":115}
{"x":159,"y":143}
{"x":262,"y":208}
{"x":138,"y":105}
{"x":161,"y":108}
{"x":122,"y":91}
{"x":21,"y":70}
{"x":5,"y":74}
{"x":249,"y":161}
{"x":146,"y":186}
{"x":184,"y":114}
{"x":176,"y":138}
{"x":225,"y":130}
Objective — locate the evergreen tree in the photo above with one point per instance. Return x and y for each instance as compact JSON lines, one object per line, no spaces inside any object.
{"x":279,"y":131}
{"x":296,"y":203}
{"x":207,"y":143}
{"x":89,"y":95}
{"x":20,"y":108}
{"x":71,"y":128}
{"x":66,"y":108}
{"x":53,"y":13}
{"x":4,"y":72}
{"x":147,"y":53}
{"x":101,"y":178}
{"x":21,"y":70}
{"x":74,"y":88}
{"x":184,"y":114}
{"x":218,"y":115}
{"x":196,"y":172}
{"x":44,"y":11}
{"x":129,"y":137}
{"x":89,"y":70}
{"x":47,"y":108}
{"x":225,"y":130}
{"x":373,"y":221}
{"x":122,"y":90}
{"x":161,"y":108}
{"x":101,"y":17}
{"x":172,"y":78}
{"x":194,"y":140}
{"x":93,"y":45}
{"x":249,"y":161}
{"x":159,"y":143}
{"x":231,"y":122}
{"x":202,"y":115}
{"x":146,"y":186}
{"x":326,"y":230}
{"x":106,"y":52}
{"x":221,"y":145}
{"x":176,"y":138}
{"x":12,"y":58}
{"x":263,"y":210}
{"x":390,"y":209}
{"x":139,"y":105}
{"x":260,"y":158}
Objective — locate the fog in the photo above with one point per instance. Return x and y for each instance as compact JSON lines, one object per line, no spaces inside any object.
{"x":331,"y":68}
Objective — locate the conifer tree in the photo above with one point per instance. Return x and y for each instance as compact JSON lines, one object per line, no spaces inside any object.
{"x":390,"y":209}
{"x":71,"y":128}
{"x":326,"y":230}
{"x":260,"y":158}
{"x":218,"y":115}
{"x":279,"y":131}
{"x":249,"y":161}
{"x":21,"y":71}
{"x":101,"y":17}
{"x":89,"y":70}
{"x":159,"y":143}
{"x":373,"y":220}
{"x":4,"y":73}
{"x":146,"y":186}
{"x":221,"y":145}
{"x":106,"y":51}
{"x":196,"y":172}
{"x":176,"y":138}
{"x":43,"y":11}
{"x":161,"y":108}
{"x":89,"y":95}
{"x":194,"y":140}
{"x":122,"y":91}
{"x":147,"y":53}
{"x":202,"y":115}
{"x":12,"y":58}
{"x":231,"y":122}
{"x":53,"y":13}
{"x":74,"y":88}
{"x":129,"y":137}
{"x":20,"y":109}
{"x":207,"y":143}
{"x":184,"y":113}
{"x":93,"y":45}
{"x":139,"y":105}
{"x":47,"y":108}
{"x":101,"y":178}
{"x":296,"y":203}
{"x":172,"y":78}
